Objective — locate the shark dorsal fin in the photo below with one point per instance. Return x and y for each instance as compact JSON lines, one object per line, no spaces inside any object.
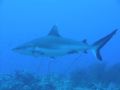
{"x":54,"y":31}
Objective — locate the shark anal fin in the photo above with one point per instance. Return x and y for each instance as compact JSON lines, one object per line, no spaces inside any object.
{"x":52,"y":57}
{"x":85,"y":52}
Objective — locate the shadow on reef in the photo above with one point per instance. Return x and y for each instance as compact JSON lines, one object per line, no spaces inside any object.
{"x":95,"y":77}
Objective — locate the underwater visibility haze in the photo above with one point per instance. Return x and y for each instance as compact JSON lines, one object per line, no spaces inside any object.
{"x":49,"y":45}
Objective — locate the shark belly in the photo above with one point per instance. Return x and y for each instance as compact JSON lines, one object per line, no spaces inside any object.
{"x":52,"y":52}
{"x":60,"y":51}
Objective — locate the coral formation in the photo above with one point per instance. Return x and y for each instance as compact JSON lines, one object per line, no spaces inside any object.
{"x":96,"y":77}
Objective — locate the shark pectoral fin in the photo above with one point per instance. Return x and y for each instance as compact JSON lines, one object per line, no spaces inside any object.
{"x":72,"y":52}
{"x":37,"y":53}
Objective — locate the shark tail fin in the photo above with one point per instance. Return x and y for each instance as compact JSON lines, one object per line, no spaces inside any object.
{"x":96,"y":47}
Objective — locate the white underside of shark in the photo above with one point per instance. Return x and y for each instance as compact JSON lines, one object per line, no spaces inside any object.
{"x":54,"y":45}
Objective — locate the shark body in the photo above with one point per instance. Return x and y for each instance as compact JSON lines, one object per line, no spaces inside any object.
{"x":54,"y":45}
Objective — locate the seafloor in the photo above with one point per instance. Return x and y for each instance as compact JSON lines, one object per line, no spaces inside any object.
{"x":95,"y":77}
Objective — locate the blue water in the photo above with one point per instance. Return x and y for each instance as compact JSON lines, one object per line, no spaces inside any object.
{"x":25,"y":20}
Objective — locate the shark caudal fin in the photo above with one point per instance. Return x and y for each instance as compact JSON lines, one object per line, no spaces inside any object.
{"x":100,"y":43}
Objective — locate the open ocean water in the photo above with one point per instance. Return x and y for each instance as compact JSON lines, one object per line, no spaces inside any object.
{"x":86,"y":21}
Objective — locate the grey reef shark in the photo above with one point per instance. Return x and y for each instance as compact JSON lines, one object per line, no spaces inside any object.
{"x":54,"y":45}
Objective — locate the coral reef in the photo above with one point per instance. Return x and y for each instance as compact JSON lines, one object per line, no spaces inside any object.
{"x":95,"y":77}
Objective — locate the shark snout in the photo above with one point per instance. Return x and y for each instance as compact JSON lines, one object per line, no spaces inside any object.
{"x":17,"y":49}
